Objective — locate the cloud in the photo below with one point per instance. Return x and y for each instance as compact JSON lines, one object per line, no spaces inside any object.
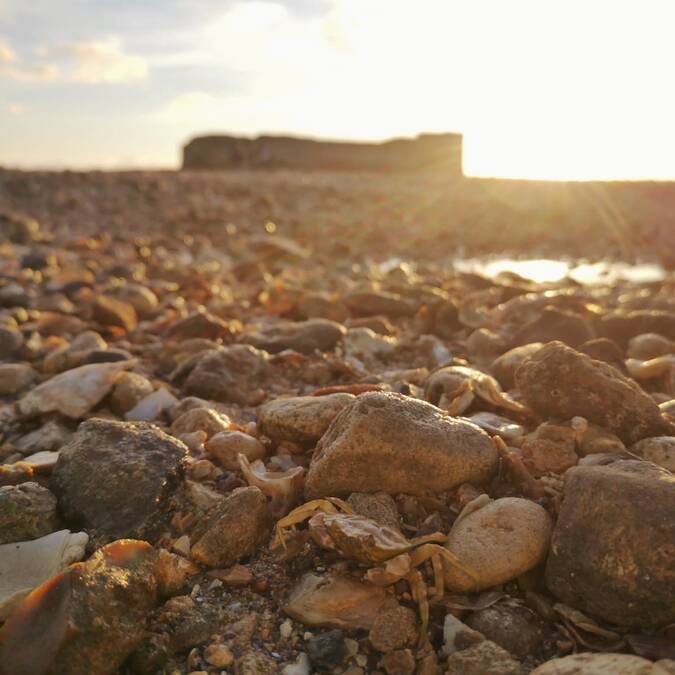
{"x":15,"y":109}
{"x":97,"y":61}
{"x":7,"y":54}
{"x":88,"y":62}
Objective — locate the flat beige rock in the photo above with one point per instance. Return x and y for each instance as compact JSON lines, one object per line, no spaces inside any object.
{"x":75,"y":392}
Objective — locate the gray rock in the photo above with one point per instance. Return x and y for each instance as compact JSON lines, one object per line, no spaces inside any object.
{"x":114,"y":478}
{"x":392,"y":443}
{"x":327,"y":650}
{"x":560,"y":382}
{"x":232,"y":529}
{"x":301,"y":418}
{"x":27,"y":511}
{"x":613,"y":547}
{"x":600,"y":664}
{"x":11,"y":339}
{"x":659,"y":449}
{"x":229,"y":374}
{"x":302,"y":336}
{"x":46,"y":438}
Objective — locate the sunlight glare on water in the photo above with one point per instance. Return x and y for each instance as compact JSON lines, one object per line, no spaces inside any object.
{"x":544,"y":270}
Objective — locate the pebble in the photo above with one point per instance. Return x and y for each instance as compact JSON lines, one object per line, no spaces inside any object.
{"x":152,"y":407}
{"x":302,"y":336}
{"x":110,"y":311}
{"x":301,"y":418}
{"x":498,"y":542}
{"x":218,"y":655}
{"x":484,"y":658}
{"x":225,"y":446}
{"x":658,"y":449}
{"x":400,"y":662}
{"x":200,"y":419}
{"x":232,"y":529}
{"x":15,"y":377}
{"x":604,"y":664}
{"x":394,"y":628}
{"x":393,"y":443}
{"x":327,"y":651}
{"x":27,"y":511}
{"x":129,"y":390}
{"x":73,"y":393}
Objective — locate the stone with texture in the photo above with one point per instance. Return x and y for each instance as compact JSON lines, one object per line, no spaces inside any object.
{"x":301,"y":418}
{"x":394,"y":628}
{"x":599,"y":664}
{"x":613,"y":547}
{"x":27,"y":511}
{"x":232,"y":529}
{"x":226,"y":445}
{"x":484,"y":658}
{"x":393,"y":443}
{"x":115,"y":478}
{"x":110,"y":311}
{"x":658,"y":449}
{"x":560,"y":382}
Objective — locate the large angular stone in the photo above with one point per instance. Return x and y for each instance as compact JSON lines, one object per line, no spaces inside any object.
{"x":560,"y":382}
{"x":393,"y":443}
{"x":600,"y":664}
{"x":613,"y":547}
{"x":114,"y":478}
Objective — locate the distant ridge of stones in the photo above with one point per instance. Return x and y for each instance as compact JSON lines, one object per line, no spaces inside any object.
{"x":426,"y":151}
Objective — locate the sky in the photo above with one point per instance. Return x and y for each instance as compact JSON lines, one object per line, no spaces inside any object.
{"x":561,"y":89}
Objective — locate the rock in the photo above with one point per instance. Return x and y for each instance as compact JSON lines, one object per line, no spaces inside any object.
{"x":106,"y":356}
{"x":550,"y":449}
{"x":255,"y":663}
{"x":229,"y":374}
{"x":499,"y":542}
{"x":622,"y":325}
{"x":72,"y":355}
{"x":604,"y":349}
{"x":322,"y":306}
{"x":393,"y":443}
{"x":327,"y":651}
{"x":301,"y":666}
{"x":658,"y":449}
{"x":92,"y":616}
{"x":458,"y":636}
{"x":379,"y":507}
{"x":235,"y":576}
{"x":394,"y":628}
{"x":47,"y":438}
{"x":27,"y":511}
{"x":505,"y":366}
{"x":200,"y":419}
{"x":17,"y":228}
{"x":110,"y":311}
{"x":484,"y":658}
{"x":226,"y":445}
{"x":25,"y":565}
{"x":218,"y":655}
{"x":73,"y":393}
{"x":599,"y":664}
{"x":142,"y":299}
{"x":152,"y":406}
{"x":232,"y":529}
{"x":649,"y":346}
{"x":41,"y":462}
{"x":614,"y":543}
{"x":301,"y":336}
{"x":400,"y":662}
{"x":369,"y":303}
{"x":173,"y":572}
{"x":129,"y":390}
{"x":555,"y":324}
{"x":335,"y":601}
{"x":562,"y":383}
{"x":15,"y":377}
{"x":517,"y":629}
{"x":11,"y":341}
{"x":366,"y":343}
{"x":301,"y":418}
{"x":199,"y":325}
{"x":115,"y":478}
